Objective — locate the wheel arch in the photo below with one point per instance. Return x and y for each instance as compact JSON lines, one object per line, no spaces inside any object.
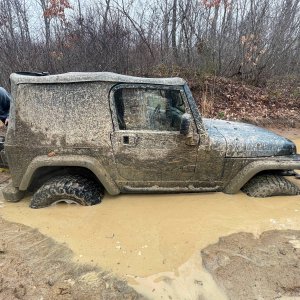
{"x":43,"y":165}
{"x":253,"y":168}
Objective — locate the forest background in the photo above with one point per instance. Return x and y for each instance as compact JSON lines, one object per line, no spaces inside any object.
{"x":240,"y":57}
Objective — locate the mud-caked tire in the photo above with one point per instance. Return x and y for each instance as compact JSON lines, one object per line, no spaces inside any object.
{"x":70,"y":189}
{"x":267,"y":185}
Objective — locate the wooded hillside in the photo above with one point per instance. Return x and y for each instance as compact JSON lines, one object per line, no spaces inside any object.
{"x":251,"y":41}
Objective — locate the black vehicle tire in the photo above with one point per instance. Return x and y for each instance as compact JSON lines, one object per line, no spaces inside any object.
{"x":70,"y":189}
{"x":267,"y":185}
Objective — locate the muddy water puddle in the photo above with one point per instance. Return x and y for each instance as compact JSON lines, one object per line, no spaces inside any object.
{"x":145,"y":234}
{"x":155,"y":240}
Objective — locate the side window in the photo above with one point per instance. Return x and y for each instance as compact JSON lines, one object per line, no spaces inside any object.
{"x":149,"y":109}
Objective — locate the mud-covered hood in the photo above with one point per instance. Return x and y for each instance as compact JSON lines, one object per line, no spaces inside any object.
{"x":245,"y":140}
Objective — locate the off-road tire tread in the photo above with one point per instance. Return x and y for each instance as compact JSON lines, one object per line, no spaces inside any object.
{"x":77,"y":188}
{"x":267,"y":185}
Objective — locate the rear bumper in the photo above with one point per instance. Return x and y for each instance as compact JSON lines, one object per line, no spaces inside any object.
{"x":12,"y":194}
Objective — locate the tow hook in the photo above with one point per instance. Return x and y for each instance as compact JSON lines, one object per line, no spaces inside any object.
{"x":290,"y":173}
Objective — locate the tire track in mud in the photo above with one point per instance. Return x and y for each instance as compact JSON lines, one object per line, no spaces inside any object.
{"x":33,"y":266}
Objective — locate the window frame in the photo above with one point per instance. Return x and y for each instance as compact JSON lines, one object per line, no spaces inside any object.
{"x":145,"y":86}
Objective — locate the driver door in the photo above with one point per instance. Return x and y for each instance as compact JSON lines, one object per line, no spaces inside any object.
{"x":148,"y":147}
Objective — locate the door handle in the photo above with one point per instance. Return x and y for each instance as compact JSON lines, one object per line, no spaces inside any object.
{"x":129,"y":139}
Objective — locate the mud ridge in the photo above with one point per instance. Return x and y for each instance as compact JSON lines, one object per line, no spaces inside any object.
{"x":34,"y":266}
{"x":246,"y":267}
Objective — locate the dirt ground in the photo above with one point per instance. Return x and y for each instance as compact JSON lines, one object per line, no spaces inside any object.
{"x":33,"y":266}
{"x":251,"y":263}
{"x":249,"y":268}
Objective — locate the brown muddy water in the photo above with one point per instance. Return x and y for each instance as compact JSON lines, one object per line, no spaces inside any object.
{"x":154,"y":241}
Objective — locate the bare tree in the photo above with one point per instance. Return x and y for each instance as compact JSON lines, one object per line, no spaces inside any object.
{"x":249,"y":39}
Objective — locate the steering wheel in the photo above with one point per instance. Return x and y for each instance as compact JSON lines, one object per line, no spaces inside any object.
{"x":155,"y":115}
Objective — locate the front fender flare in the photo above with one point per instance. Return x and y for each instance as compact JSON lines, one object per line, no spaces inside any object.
{"x":242,"y":177}
{"x":71,"y":161}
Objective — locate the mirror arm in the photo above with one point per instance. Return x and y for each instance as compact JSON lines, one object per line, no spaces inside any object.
{"x":190,"y":139}
{"x":185,"y":124}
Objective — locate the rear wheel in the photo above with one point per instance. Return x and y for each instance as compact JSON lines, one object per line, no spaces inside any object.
{"x":267,"y":185}
{"x":70,"y":189}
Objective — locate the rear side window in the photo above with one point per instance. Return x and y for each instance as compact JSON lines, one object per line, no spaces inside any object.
{"x":149,"y":109}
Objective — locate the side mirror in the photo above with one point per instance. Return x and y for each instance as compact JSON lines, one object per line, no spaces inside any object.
{"x":185,"y":124}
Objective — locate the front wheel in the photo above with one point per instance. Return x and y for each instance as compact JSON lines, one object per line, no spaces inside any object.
{"x":267,"y":185}
{"x":68,"y":188}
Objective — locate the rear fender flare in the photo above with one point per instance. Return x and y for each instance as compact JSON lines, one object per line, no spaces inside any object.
{"x":71,"y":161}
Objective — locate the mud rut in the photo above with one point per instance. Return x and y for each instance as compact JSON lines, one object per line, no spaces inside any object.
{"x":33,"y":266}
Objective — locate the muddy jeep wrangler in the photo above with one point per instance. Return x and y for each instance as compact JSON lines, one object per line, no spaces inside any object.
{"x":72,"y":136}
